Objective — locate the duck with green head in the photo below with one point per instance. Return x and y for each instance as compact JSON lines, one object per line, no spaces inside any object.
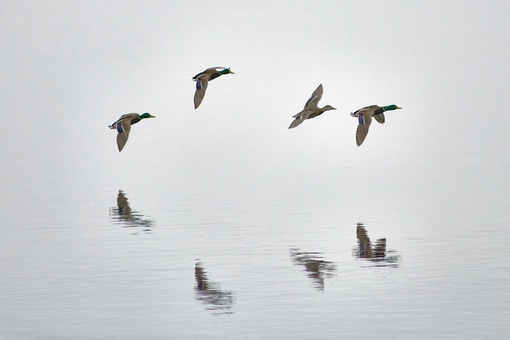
{"x":203,"y":79}
{"x":311,"y":110}
{"x":365,"y":115}
{"x":123,"y":126}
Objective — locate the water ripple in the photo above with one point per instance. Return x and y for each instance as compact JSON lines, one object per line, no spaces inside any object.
{"x":317,"y":269}
{"x":123,"y":214}
{"x":374,"y":253}
{"x":216,"y":300}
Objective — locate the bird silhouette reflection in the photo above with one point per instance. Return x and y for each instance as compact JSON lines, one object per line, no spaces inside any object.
{"x":316,"y":268}
{"x":123,"y":214}
{"x":216,"y":300}
{"x":376,"y":252}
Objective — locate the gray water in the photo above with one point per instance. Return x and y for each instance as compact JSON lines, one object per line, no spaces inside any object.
{"x":221,"y":222}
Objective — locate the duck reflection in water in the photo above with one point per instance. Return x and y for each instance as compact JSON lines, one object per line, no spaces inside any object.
{"x":128,"y":218}
{"x":317,"y":269}
{"x":376,"y":253}
{"x":217,"y":301}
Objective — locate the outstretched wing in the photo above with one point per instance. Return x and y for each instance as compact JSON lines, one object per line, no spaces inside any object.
{"x":123,"y":129}
{"x":313,"y":101}
{"x":295,"y":122}
{"x":300,"y":117}
{"x":361,"y":133}
{"x":364,"y":120}
{"x":201,"y":86}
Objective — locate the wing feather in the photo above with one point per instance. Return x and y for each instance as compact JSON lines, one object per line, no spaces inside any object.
{"x":380,"y":118}
{"x":314,"y":99}
{"x":200,"y":92}
{"x":122,"y":137}
{"x":361,"y":134}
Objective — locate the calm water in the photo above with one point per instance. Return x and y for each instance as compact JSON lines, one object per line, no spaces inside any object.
{"x":92,"y":253}
{"x":222,"y":223}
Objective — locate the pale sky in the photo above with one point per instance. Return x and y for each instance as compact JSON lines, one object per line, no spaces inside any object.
{"x":71,"y":68}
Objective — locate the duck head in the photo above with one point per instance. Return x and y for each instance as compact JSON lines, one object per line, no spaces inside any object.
{"x":226,"y":71}
{"x":146,"y":115}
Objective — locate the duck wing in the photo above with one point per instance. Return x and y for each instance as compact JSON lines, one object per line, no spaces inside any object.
{"x":378,"y":114}
{"x":314,"y":99}
{"x":361,"y":134}
{"x":201,"y":86}
{"x":123,"y":129}
{"x":301,"y":117}
{"x":364,"y":119}
{"x":380,"y":118}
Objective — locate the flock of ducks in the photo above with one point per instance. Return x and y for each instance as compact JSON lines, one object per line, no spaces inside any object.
{"x":310,"y":110}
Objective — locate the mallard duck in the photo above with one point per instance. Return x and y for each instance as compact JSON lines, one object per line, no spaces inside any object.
{"x":123,"y":126}
{"x":203,"y":79}
{"x":365,"y":115}
{"x":311,"y":110}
